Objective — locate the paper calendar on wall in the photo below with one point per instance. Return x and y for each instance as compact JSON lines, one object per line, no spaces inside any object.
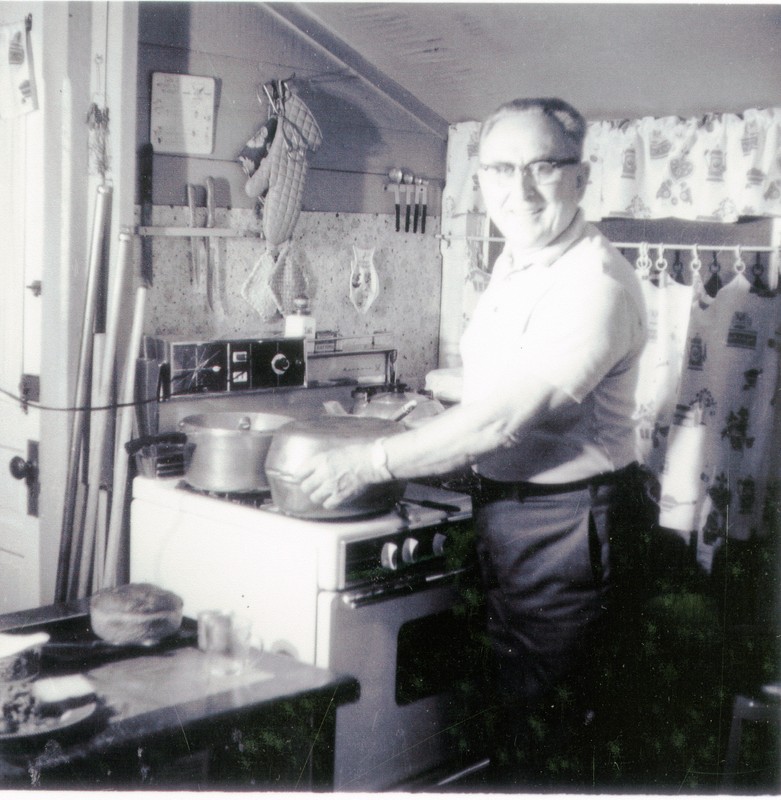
{"x":182,"y":114}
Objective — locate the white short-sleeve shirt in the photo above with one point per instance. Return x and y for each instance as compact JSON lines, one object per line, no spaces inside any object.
{"x":574,"y":317}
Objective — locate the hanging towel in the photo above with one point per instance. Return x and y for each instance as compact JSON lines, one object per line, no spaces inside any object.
{"x":287,"y":282}
{"x":17,"y":83}
{"x":257,"y":288}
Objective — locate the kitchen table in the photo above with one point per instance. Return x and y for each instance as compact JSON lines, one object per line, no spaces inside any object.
{"x":163,"y":721}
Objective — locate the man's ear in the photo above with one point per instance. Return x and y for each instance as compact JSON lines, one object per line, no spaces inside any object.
{"x":581,"y":179}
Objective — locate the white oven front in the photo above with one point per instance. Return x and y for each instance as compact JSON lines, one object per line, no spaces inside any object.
{"x":408,"y":650}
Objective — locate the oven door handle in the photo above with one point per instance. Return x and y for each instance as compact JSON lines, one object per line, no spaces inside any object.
{"x":359,"y":598}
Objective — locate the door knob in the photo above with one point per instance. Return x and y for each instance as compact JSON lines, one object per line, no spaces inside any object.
{"x":23,"y":470}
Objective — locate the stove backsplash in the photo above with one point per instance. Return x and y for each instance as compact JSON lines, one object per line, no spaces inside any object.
{"x":408,"y":267}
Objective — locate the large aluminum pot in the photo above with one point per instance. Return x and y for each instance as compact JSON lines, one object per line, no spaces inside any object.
{"x":294,"y":444}
{"x":226,"y":451}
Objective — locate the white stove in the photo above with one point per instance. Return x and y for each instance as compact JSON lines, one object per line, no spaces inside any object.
{"x":371,"y":597}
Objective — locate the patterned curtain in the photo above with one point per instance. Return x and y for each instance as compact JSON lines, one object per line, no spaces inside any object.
{"x":707,"y":424}
{"x":716,"y":168}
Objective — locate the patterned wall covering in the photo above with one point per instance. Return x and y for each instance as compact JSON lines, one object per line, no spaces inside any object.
{"x":407,"y":265}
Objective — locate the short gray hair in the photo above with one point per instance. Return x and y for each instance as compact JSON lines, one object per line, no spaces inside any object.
{"x":569,"y":120}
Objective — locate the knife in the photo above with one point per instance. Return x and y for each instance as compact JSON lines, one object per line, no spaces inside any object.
{"x":208,"y":242}
{"x":193,"y":239}
{"x":408,"y":179}
{"x":397,"y":197}
{"x":418,"y":189}
{"x":423,"y":201}
{"x":407,"y":205}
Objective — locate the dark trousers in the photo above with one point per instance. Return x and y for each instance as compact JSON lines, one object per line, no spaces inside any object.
{"x":547,"y":566}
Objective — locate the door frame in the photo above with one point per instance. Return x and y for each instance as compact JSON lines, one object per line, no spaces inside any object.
{"x":66,"y":33}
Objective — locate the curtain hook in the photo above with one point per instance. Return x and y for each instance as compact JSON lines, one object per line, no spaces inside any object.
{"x":696,"y":262}
{"x":739,"y":266}
{"x":661,"y":261}
{"x":643,"y":263}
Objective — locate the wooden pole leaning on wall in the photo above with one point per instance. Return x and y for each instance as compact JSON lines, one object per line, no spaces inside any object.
{"x":93,"y":545}
{"x":112,"y":571}
{"x":100,"y":223}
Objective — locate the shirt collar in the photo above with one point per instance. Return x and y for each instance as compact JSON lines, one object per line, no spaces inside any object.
{"x":547,"y":255}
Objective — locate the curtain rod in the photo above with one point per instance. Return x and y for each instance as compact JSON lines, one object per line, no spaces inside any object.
{"x":736,"y":248}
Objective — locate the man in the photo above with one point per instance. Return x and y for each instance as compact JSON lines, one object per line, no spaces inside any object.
{"x":550,"y":362}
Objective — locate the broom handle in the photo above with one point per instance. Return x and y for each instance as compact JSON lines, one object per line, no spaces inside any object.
{"x":124,"y":432}
{"x":83,"y":379}
{"x":98,"y":437}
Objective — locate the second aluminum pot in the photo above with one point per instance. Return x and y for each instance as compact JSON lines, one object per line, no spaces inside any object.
{"x":294,"y":444}
{"x":226,"y":452}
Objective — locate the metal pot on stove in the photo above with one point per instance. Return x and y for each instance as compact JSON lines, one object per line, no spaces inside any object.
{"x":395,"y":402}
{"x":294,"y":444}
{"x":226,"y":451}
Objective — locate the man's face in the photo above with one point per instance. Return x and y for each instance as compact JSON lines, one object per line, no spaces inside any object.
{"x":530,"y":214}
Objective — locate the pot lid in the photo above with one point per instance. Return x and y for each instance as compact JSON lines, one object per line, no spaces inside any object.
{"x":348,"y":427}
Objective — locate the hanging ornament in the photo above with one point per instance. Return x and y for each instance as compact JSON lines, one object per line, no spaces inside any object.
{"x":364,"y":284}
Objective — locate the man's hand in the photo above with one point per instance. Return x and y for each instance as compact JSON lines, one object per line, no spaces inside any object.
{"x":335,"y":476}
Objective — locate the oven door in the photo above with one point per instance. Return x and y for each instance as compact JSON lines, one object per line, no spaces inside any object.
{"x":408,"y":648}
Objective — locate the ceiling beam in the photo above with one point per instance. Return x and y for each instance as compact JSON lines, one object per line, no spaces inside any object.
{"x":311,"y":28}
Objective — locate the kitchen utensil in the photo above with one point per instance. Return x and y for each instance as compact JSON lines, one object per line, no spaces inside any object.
{"x":396,"y":175}
{"x":418,"y":192}
{"x":424,"y":203}
{"x":209,"y":242}
{"x":408,"y":179}
{"x":293,"y":446}
{"x":194,"y":250}
{"x":226,"y":451}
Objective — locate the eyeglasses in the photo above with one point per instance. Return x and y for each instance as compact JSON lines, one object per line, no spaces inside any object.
{"x":541,"y":172}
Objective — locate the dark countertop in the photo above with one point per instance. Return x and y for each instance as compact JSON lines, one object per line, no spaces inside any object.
{"x":161,"y":695}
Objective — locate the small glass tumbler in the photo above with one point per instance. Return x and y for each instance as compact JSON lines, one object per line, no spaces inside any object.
{"x":225,"y":638}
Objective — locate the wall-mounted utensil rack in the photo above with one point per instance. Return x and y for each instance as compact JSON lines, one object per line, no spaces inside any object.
{"x":181,"y":230}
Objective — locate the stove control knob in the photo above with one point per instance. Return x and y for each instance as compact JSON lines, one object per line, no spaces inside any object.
{"x":409,"y":551}
{"x":389,"y":556}
{"x":438,"y":544}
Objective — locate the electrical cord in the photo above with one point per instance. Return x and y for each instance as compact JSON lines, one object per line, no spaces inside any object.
{"x":42,"y":407}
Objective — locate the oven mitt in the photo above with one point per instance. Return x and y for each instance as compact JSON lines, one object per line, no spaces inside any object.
{"x":257,"y":148}
{"x":257,"y":288}
{"x":364,"y":283}
{"x":281,"y":175}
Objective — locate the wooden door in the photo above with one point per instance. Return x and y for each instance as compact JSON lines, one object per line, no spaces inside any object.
{"x":20,"y":350}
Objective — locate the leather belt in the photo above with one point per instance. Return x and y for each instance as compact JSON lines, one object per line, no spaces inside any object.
{"x":489,"y":491}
